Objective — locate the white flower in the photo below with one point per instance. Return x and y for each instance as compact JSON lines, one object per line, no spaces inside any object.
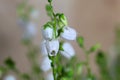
{"x":46,"y":64}
{"x":34,"y":14}
{"x":52,"y":47}
{"x":47,"y":33}
{"x":49,"y":76}
{"x":30,"y":30}
{"x":9,"y":77}
{"x":43,"y":48}
{"x":69,"y":33}
{"x":68,"y":50}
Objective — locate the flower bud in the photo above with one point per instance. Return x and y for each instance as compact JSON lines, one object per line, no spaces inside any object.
{"x":43,"y":48}
{"x":63,"y":19}
{"x":47,"y":33}
{"x":52,"y":47}
{"x":69,"y":33}
{"x":46,"y":64}
{"x":9,"y":77}
{"x":68,"y":50}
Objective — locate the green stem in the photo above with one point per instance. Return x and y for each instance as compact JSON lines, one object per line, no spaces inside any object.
{"x":87,"y":61}
{"x":53,"y":68}
{"x":53,"y":63}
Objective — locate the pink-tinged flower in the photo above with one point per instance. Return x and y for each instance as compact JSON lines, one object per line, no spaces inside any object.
{"x":45,"y":64}
{"x":9,"y":77}
{"x":68,"y":50}
{"x":69,"y":33}
{"x":52,"y":47}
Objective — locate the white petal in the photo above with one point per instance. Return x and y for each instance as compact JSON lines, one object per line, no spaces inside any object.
{"x":49,"y":76}
{"x":43,"y":48}
{"x":68,"y":50}
{"x":52,"y":47}
{"x":46,"y":64}
{"x":34,"y":14}
{"x":10,"y":77}
{"x":47,"y":33}
{"x":30,"y":30}
{"x":69,"y":33}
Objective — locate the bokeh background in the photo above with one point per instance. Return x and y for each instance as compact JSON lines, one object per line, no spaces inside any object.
{"x":93,"y":19}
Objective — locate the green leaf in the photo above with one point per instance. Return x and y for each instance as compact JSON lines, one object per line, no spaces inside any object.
{"x":49,"y":1}
{"x":25,"y":76}
{"x":48,"y":24}
{"x":80,"y":41}
{"x":101,"y":59}
{"x":69,"y":72}
{"x":94,"y":47}
{"x":79,"y":68}
{"x":9,"y":63}
{"x":61,"y":48}
{"x":2,"y":70}
{"x":36,"y":69}
{"x":49,"y":10}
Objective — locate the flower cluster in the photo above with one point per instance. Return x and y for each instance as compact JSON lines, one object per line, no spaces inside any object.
{"x":27,"y":16}
{"x":54,"y":33}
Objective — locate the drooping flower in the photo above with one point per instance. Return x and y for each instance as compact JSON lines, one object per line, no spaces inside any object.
{"x":30,"y":30}
{"x":49,"y":76}
{"x":10,"y":77}
{"x":45,"y":64}
{"x":68,"y":50}
{"x":47,"y":33}
{"x":52,"y":47}
{"x":69,"y":33}
{"x":43,"y":48}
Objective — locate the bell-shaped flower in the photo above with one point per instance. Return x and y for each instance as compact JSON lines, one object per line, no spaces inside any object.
{"x":67,"y":51}
{"x":43,"y":48}
{"x":9,"y":77}
{"x":30,"y":31}
{"x":69,"y":33}
{"x":45,"y":64}
{"x":52,"y":47}
{"x":49,"y":76}
{"x":47,"y":33}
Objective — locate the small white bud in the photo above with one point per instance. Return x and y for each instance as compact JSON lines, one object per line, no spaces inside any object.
{"x":68,"y":50}
{"x":43,"y":48}
{"x":9,"y":77}
{"x":46,"y":64}
{"x":47,"y":33}
{"x":69,"y":33}
{"x":49,"y":76}
{"x":52,"y":47}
